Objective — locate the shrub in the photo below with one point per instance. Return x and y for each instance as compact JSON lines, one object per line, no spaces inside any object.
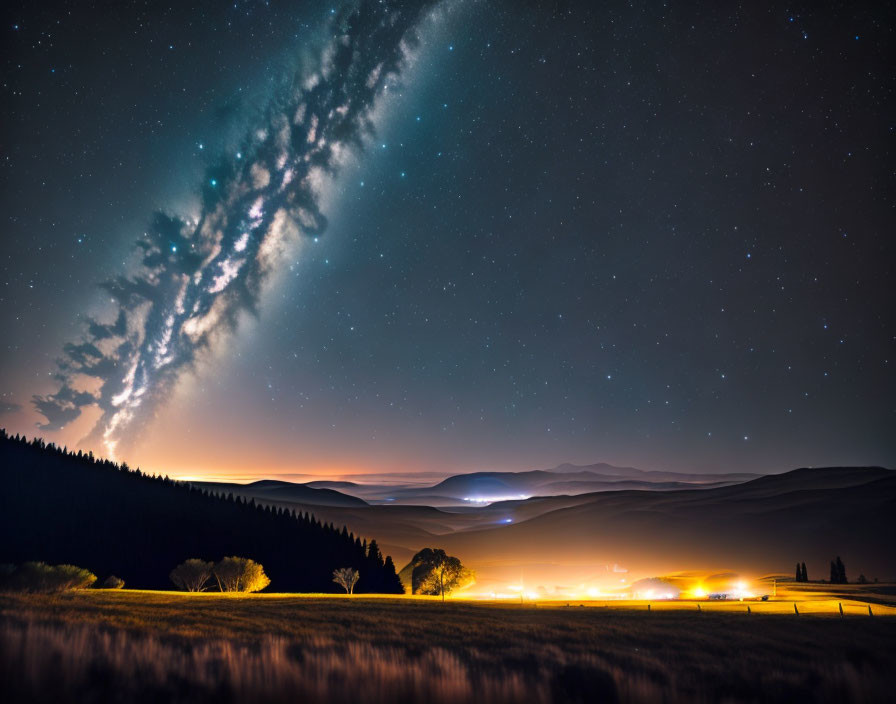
{"x":113,"y":582}
{"x":41,"y":577}
{"x":73,"y":577}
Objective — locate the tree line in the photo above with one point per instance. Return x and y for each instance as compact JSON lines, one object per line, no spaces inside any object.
{"x":838,"y":573}
{"x":63,"y":506}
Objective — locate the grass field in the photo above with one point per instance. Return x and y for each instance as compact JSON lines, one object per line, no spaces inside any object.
{"x":153,"y":646}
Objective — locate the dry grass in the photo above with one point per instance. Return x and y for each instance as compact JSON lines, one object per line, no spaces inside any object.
{"x":151,"y":646}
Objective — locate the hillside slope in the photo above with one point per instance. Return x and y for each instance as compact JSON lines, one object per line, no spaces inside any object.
{"x":62,"y":508}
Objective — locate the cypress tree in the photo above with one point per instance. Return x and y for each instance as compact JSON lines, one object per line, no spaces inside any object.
{"x":841,"y":571}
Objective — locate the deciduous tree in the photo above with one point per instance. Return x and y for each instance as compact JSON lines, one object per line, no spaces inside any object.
{"x":436,"y":573}
{"x":192,"y":575}
{"x":240,"y":574}
{"x":346,"y":578}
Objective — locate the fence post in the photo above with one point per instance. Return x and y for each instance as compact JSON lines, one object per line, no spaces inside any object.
{"x":870,"y":612}
{"x":841,"y":608}
{"x":796,"y":610}
{"x":748,"y":609}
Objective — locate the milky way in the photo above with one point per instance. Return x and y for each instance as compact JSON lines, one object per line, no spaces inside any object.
{"x":195,"y":278}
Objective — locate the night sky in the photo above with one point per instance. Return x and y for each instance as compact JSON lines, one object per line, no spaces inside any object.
{"x":449,"y":236}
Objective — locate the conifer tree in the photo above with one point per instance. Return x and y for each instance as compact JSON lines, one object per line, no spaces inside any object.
{"x":374,"y":554}
{"x":391,"y":581}
{"x":841,"y":571}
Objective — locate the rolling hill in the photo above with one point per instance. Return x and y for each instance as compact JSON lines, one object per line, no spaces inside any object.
{"x":274,"y":490}
{"x":758,"y":527}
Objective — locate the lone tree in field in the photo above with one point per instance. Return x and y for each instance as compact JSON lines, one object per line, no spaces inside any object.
{"x":346,"y":578}
{"x":240,"y":574}
{"x":192,"y":575}
{"x":436,"y":573}
{"x":799,"y":572}
{"x":805,"y":573}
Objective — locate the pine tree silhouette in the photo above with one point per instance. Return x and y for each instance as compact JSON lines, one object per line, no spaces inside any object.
{"x":841,"y":571}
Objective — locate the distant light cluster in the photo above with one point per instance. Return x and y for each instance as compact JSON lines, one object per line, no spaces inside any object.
{"x":494,"y":499}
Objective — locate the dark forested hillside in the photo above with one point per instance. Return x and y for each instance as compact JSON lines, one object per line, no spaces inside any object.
{"x":63,"y":507}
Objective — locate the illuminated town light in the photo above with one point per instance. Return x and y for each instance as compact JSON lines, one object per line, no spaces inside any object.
{"x":492,"y":499}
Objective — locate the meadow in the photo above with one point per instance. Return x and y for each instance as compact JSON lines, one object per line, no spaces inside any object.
{"x":138,"y":646}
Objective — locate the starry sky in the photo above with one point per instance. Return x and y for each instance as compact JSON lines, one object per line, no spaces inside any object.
{"x":282,"y":238}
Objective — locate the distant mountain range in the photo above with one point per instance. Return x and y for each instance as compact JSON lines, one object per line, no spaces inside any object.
{"x":646,"y":522}
{"x":569,"y":479}
{"x":477,"y":488}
